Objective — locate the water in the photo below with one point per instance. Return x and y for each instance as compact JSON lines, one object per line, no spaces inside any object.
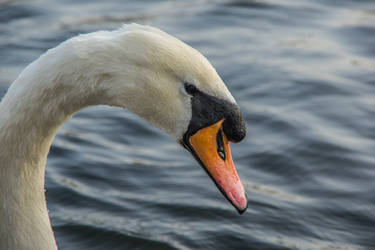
{"x":303,"y":73}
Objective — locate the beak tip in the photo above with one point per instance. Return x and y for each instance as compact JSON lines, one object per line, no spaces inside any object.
{"x":239,"y":201}
{"x":241,"y":211}
{"x":242,"y":206}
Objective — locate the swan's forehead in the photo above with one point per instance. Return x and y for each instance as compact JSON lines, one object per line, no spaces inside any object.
{"x":167,"y":54}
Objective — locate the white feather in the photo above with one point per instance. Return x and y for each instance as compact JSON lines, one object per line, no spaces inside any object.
{"x":136,"y":67}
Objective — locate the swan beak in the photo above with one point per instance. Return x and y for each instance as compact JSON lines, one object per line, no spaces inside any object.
{"x":211,"y":147}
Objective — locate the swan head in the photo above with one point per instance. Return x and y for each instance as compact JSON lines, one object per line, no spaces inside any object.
{"x":174,"y":87}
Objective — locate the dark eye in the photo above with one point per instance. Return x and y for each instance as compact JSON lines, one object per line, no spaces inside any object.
{"x":190,"y":88}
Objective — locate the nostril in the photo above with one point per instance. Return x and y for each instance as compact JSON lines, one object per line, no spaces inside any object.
{"x":220,"y":145}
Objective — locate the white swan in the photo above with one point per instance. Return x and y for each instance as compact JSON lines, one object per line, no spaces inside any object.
{"x":140,"y":68}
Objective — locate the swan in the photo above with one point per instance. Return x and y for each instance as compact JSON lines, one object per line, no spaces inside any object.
{"x":136,"y":67}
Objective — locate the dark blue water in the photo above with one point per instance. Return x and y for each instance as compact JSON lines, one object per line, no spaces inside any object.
{"x":303,"y":73}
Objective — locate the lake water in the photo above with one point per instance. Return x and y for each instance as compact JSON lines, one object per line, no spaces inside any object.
{"x":303,"y":73}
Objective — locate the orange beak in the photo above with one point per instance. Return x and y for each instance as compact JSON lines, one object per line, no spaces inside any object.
{"x":211,"y":147}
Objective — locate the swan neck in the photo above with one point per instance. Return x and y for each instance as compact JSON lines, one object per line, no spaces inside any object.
{"x":46,"y":94}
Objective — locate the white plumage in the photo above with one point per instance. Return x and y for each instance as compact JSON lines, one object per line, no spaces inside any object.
{"x":136,"y":67}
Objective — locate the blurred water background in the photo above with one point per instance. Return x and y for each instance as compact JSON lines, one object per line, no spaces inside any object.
{"x":303,"y":72}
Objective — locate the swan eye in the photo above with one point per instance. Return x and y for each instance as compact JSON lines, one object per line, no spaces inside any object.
{"x":190,"y":88}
